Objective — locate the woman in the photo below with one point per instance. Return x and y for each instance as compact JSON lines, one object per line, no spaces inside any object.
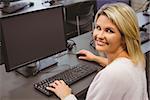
{"x":116,"y":34}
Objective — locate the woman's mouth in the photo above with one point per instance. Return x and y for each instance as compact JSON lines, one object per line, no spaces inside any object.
{"x":101,"y":43}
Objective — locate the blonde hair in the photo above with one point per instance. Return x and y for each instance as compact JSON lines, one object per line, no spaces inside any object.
{"x":124,"y":17}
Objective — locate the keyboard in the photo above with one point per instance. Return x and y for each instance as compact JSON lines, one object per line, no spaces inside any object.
{"x":70,"y":76}
{"x":15,"y":7}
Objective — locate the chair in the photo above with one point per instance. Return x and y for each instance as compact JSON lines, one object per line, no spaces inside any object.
{"x":148,"y":71}
{"x":81,"y":16}
{"x":100,"y":3}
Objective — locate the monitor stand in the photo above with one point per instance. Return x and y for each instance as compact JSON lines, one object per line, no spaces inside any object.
{"x":35,"y":68}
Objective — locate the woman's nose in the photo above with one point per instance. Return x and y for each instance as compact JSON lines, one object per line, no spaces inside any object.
{"x":100,"y":34}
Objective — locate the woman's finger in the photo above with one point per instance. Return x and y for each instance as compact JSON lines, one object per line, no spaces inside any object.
{"x":51,"y":89}
{"x":62,"y":82}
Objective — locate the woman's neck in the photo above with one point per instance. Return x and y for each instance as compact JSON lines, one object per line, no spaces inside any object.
{"x":111,"y":56}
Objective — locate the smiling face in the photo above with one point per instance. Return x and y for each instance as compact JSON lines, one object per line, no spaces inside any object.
{"x":107,"y":36}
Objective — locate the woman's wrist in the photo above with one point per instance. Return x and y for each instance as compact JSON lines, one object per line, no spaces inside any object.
{"x":69,"y":97}
{"x":100,"y":60}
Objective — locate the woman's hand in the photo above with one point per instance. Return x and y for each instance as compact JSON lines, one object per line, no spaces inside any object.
{"x":87,"y":55}
{"x":91,"y":57}
{"x":60,"y":88}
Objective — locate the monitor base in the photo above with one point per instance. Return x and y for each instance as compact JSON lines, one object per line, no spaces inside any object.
{"x":34,"y":69}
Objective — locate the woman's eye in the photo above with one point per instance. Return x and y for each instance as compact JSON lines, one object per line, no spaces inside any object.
{"x":109,"y":31}
{"x":98,"y":27}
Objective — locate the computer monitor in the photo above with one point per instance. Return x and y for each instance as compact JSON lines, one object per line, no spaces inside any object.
{"x":32,"y":36}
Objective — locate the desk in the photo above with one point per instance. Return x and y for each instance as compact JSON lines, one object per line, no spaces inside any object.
{"x":16,"y":87}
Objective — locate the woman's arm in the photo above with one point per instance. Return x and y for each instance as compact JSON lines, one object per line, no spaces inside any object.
{"x":101,"y":60}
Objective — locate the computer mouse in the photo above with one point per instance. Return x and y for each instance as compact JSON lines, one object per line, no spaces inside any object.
{"x":79,"y":55}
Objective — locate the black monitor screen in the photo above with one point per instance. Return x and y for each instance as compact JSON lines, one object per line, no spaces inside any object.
{"x":32,"y":36}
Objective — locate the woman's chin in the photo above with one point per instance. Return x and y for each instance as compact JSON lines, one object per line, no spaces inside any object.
{"x":102,"y":49}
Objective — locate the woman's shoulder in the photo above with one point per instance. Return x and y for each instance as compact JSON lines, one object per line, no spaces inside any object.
{"x":116,"y":72}
{"x":126,"y":63}
{"x":121,"y":60}
{"x":120,"y":67}
{"x":120,"y":63}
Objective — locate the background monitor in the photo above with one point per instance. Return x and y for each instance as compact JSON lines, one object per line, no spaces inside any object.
{"x":13,"y":6}
{"x":33,"y":36}
{"x":6,"y":2}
